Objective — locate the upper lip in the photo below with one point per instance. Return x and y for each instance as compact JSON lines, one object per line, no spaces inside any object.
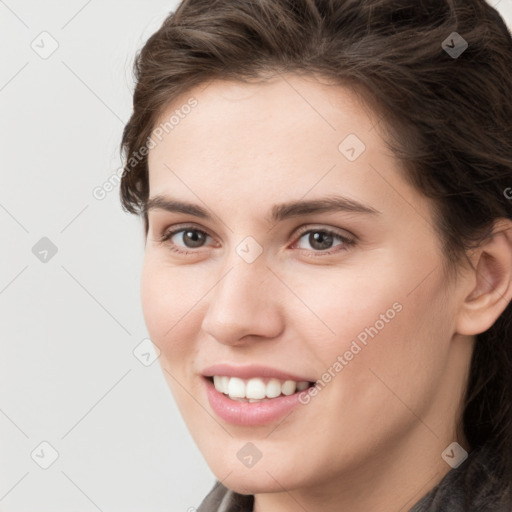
{"x":250,"y":371}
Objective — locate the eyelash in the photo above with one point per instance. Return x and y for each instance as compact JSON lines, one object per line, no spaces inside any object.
{"x":167,"y":235}
{"x":346,"y":242}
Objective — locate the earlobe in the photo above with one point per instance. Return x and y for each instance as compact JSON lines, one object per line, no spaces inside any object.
{"x":491,"y":282}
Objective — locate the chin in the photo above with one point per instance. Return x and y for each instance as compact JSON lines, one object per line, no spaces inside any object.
{"x":269,"y":474}
{"x":250,"y":482}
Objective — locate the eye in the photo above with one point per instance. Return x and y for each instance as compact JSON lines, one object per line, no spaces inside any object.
{"x":320,"y":240}
{"x":186,"y":238}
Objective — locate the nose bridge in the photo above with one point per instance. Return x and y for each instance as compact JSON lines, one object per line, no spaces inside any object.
{"x":243,"y":303}
{"x":245,"y":288}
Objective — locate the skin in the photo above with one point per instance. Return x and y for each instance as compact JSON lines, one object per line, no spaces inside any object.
{"x":372,"y":438}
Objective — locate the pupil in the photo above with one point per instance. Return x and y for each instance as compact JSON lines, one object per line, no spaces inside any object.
{"x":319,"y":240}
{"x":193,"y":238}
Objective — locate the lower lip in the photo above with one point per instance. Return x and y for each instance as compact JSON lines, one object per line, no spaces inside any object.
{"x":247,"y":413}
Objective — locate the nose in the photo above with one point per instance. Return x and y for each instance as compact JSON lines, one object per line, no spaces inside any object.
{"x":244,"y":305}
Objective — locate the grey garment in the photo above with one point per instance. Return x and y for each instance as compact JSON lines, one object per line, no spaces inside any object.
{"x":222,"y":499}
{"x":471,"y":487}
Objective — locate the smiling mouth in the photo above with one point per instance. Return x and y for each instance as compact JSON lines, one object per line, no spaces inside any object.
{"x":256,"y":389}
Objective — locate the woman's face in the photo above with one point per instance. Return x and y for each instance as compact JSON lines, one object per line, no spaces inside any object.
{"x":299,"y":254}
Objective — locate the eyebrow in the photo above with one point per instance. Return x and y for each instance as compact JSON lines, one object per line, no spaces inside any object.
{"x":278,"y":212}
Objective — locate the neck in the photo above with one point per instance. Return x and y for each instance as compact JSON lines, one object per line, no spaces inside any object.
{"x":389,"y":481}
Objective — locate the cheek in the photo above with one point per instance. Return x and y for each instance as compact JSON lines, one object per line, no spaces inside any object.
{"x":384,"y":338}
{"x":171,"y":299}
{"x":334,"y":308}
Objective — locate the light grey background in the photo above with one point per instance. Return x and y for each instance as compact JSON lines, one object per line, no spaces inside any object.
{"x":70,"y":324}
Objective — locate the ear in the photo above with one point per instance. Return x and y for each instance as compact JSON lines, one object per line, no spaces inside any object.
{"x":489,"y":282}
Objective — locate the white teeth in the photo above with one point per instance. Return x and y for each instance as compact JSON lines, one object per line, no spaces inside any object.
{"x":255,"y":389}
{"x":273,"y":388}
{"x":224,"y":381}
{"x":217,"y":382}
{"x":221,"y":384}
{"x":236,"y":388}
{"x":289,"y":387}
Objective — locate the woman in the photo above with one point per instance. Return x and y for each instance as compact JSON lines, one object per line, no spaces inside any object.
{"x":328,"y":262}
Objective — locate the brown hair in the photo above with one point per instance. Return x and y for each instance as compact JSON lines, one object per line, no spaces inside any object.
{"x":449,"y":120}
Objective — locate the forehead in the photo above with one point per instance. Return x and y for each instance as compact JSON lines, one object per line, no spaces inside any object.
{"x":246,"y":144}
{"x":236,"y":120}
